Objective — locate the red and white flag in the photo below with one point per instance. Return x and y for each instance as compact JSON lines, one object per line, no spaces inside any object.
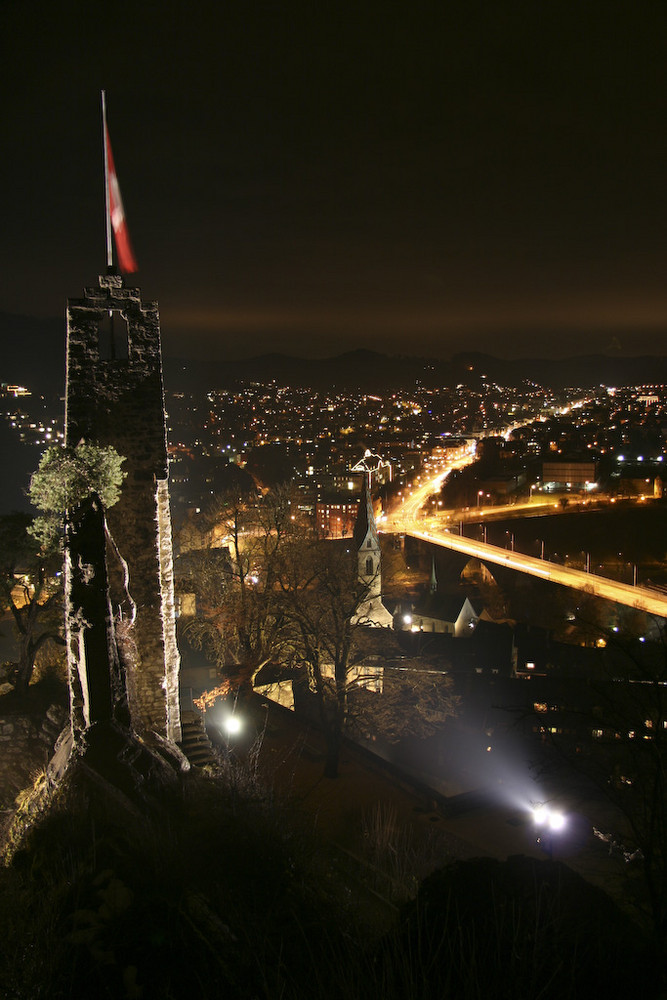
{"x":124,"y":252}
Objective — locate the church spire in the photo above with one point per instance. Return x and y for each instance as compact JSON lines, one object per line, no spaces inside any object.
{"x":434,"y":579}
{"x":369,"y":563}
{"x":365,"y":528}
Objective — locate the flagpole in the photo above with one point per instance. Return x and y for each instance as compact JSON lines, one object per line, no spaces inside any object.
{"x":107,"y":205}
{"x":107,"y":213}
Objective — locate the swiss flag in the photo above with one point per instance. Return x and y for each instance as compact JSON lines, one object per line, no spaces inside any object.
{"x":124,"y":252}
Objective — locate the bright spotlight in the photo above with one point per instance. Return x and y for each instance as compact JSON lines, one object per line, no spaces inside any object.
{"x":556,"y":821}
{"x":540,"y":814}
{"x":544,"y":816}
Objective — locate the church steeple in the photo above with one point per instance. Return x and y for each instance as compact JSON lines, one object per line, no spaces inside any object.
{"x":434,"y":580}
{"x":369,"y":563}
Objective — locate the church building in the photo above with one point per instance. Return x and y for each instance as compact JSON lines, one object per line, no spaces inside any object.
{"x":372,"y":611}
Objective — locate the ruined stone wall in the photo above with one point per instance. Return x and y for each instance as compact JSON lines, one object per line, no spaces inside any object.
{"x":119,"y":401}
{"x":172,"y":658}
{"x":26,"y":744}
{"x":97,"y":682}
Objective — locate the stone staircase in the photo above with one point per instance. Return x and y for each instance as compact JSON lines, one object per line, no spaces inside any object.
{"x":195,"y":743}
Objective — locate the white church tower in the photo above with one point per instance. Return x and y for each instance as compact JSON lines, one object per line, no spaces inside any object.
{"x":372,"y":611}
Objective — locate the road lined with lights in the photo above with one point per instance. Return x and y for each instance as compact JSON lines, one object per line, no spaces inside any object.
{"x":407,"y":520}
{"x":622,"y":593}
{"x":412,"y":504}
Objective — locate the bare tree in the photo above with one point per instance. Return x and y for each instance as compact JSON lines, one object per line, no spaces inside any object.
{"x":270,"y":589}
{"x":239,"y":622}
{"x":416,"y":701}
{"x":322,"y":594}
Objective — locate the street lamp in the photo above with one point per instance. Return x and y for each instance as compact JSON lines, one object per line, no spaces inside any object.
{"x":232,"y":725}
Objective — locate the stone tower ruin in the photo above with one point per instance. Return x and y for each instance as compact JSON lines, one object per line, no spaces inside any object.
{"x":115,"y":396}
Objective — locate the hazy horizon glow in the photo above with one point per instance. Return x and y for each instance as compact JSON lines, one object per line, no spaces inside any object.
{"x":308,"y":181}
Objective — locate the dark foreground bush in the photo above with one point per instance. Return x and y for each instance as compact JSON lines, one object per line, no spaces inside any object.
{"x":209,"y":895}
{"x":208,"y":890}
{"x":521,"y":929}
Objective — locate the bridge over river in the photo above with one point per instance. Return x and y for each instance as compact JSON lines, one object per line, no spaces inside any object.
{"x":642,"y":598}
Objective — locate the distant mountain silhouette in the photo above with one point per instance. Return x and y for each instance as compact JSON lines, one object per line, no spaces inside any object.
{"x":34,"y":353}
{"x":371,"y":371}
{"x":586,"y":371}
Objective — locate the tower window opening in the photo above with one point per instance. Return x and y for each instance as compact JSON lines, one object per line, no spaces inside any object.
{"x":113,"y":336}
{"x":369,"y":566}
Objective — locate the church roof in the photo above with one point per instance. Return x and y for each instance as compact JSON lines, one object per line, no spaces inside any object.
{"x":445,"y":607}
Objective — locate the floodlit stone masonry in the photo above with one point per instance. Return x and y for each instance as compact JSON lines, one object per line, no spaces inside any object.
{"x":115,"y":396}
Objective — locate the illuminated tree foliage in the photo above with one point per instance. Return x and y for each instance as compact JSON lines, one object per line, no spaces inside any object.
{"x":30,"y":562}
{"x":31,"y":590}
{"x":65,"y":477}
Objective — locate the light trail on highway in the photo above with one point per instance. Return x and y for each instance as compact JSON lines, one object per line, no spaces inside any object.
{"x":408,"y":512}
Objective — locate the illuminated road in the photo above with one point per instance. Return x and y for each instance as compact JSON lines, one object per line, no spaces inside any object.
{"x":407,"y":519}
{"x":634,"y":597}
{"x":406,"y":516}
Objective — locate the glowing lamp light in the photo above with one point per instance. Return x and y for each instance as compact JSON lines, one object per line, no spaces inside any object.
{"x":232,"y":725}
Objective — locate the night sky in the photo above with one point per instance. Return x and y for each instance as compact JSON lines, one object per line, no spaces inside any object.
{"x":312,"y":177}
